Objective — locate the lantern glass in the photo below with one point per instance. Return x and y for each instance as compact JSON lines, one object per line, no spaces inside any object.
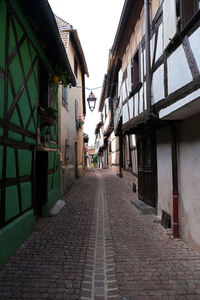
{"x":91,"y":101}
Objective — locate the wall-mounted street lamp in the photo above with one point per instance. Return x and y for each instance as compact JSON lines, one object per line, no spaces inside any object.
{"x":91,"y":101}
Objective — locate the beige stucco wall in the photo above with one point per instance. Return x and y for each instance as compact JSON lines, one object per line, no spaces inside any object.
{"x":189,"y":180}
{"x":155,"y":6}
{"x":67,"y":128}
{"x":164,"y":171}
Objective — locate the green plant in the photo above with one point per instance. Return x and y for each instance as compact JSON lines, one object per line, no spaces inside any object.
{"x":59,"y":76}
{"x":94,"y":160}
{"x":80,"y":122}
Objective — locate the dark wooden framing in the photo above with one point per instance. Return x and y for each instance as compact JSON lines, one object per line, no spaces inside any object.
{"x":5,"y":123}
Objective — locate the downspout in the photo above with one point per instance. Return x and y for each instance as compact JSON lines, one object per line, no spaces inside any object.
{"x":148,"y":58}
{"x":175,"y":182}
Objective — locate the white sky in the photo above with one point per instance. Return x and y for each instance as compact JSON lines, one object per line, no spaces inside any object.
{"x":96,"y":22}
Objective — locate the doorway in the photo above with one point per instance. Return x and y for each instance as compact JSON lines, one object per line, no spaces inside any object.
{"x":41,"y":181}
{"x":146,"y":148}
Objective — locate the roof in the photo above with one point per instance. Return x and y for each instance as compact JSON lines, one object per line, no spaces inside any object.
{"x":102,"y":97}
{"x":66,"y":32}
{"x":63,"y":25}
{"x":43,"y":23}
{"x":98,"y":126}
{"x":129,"y":17}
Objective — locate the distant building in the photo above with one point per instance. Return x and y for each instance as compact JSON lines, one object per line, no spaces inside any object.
{"x":72,"y":108}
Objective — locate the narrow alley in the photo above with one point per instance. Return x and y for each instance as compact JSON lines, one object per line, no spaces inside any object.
{"x":101,"y":247}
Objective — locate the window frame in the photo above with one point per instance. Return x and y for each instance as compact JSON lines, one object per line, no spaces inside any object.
{"x":135,"y":70}
{"x":65,"y":96}
{"x":187,"y":9}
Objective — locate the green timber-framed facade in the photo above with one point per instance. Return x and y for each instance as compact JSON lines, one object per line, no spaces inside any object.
{"x":29,"y":161}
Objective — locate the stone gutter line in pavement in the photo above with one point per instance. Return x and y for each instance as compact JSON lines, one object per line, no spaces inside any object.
{"x":101,"y":284}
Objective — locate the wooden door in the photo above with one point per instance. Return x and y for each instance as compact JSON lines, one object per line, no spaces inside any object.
{"x":147,"y":167}
{"x":41,"y":181}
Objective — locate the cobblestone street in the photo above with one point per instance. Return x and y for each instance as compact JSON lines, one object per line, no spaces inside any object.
{"x":100,"y":247}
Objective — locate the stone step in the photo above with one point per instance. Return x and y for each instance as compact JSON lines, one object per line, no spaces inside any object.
{"x":143,"y":207}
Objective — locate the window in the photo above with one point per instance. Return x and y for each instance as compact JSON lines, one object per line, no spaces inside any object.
{"x":65,"y":96}
{"x":135,"y":77}
{"x":187,"y":9}
{"x":75,"y":67}
{"x":133,"y":148}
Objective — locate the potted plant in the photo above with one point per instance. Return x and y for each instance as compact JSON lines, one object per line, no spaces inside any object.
{"x":79,"y":122}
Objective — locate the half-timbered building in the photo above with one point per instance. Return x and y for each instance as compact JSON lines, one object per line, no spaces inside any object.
{"x":32,"y":58}
{"x":100,"y":147}
{"x":155,"y":70}
{"x":108,"y":101}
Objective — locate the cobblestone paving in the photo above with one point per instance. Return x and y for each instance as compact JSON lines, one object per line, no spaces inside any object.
{"x":100,"y":247}
{"x":149,"y":264}
{"x":51,"y":263}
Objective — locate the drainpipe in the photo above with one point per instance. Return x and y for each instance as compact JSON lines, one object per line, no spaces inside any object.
{"x":148,"y":58}
{"x":175,"y":182}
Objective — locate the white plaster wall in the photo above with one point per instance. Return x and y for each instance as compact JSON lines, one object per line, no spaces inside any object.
{"x":159,"y":49}
{"x":125,"y":113}
{"x":169,"y":20}
{"x":178,"y":71}
{"x":120,"y":75}
{"x":179,"y":105}
{"x":189,"y":181}
{"x":152,"y":46}
{"x":141,"y":67}
{"x":164,"y":171}
{"x":124,"y":91}
{"x":158,"y":85}
{"x":194,"y":43}
{"x":145,"y":96}
{"x":144,"y":56}
{"x":141,"y":103}
{"x":131,"y":107}
{"x":136,"y":105}
{"x":129,"y":84}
